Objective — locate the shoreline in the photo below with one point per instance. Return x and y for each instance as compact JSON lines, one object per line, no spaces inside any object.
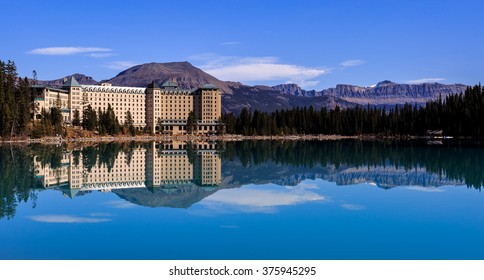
{"x":168,"y":138}
{"x":211,"y":138}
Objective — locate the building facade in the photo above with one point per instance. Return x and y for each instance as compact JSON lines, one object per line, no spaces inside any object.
{"x":164,"y":109}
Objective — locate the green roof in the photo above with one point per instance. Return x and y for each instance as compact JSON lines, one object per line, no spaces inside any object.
{"x":209,"y":86}
{"x":71,"y":82}
{"x":153,"y":85}
{"x":49,"y":88}
{"x":170,"y":84}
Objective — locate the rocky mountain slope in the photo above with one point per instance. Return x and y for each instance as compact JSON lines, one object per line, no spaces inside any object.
{"x":267,"y":99}
{"x":384,"y":93}
{"x":81,"y":78}
{"x":186,"y":76}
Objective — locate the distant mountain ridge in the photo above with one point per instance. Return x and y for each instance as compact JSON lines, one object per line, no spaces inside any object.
{"x":385,"y":92}
{"x":81,"y":78}
{"x":266,"y":98}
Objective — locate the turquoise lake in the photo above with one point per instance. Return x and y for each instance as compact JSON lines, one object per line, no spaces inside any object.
{"x":243,"y":200}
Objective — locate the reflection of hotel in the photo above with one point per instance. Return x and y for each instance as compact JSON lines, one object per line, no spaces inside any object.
{"x":160,"y":165}
{"x":162,"y":109}
{"x":172,"y":165}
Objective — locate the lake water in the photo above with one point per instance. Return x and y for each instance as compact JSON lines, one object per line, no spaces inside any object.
{"x":243,"y":200}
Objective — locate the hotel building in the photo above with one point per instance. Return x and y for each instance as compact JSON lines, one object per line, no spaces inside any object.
{"x":155,"y":109}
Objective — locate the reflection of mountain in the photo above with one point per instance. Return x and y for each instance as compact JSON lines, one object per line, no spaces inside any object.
{"x":234,"y":174}
{"x":385,"y":177}
{"x":182,"y":197}
{"x":389,"y":177}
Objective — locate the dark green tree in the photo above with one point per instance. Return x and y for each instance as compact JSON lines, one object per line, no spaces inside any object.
{"x":89,"y":118}
{"x":56,"y":119}
{"x":76,"y":119}
{"x":129,"y":124}
{"x":108,"y":122}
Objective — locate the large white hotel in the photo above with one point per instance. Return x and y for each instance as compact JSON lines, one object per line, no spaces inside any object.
{"x":155,"y":109}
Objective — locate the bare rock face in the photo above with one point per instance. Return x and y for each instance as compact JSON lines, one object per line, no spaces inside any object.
{"x":388,"y":89}
{"x":268,"y":99}
{"x":384,"y":93}
{"x":292,"y":89}
{"x":81,"y":78}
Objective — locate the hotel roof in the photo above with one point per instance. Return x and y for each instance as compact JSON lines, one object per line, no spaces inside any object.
{"x":153,"y":85}
{"x":170,"y":84}
{"x":71,"y":82}
{"x":209,"y":86}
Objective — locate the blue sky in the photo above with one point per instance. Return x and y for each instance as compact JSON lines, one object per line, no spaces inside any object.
{"x":316,"y":44}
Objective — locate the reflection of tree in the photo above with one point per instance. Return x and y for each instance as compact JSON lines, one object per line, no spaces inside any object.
{"x":107,"y":153}
{"x":17,"y":179}
{"x":50,"y":155}
{"x":191,"y":153}
{"x":89,"y":157}
{"x":128,"y":150}
{"x":76,"y":154}
{"x":455,"y":162}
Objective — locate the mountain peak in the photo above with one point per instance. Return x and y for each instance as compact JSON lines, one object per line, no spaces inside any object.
{"x":292,"y":89}
{"x":385,"y":83}
{"x":80,"y":78}
{"x":183,"y":73}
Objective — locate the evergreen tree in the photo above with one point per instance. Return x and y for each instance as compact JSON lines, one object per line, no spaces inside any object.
{"x":244,"y":123}
{"x":56,"y":119}
{"x":76,"y":120}
{"x":23,"y":97}
{"x":129,"y":123}
{"x":108,"y":122}
{"x":89,"y":118}
{"x":230,"y":123}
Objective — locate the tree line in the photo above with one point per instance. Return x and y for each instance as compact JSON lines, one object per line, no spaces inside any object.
{"x":104,"y":121}
{"x":457,"y":115}
{"x":15,"y":101}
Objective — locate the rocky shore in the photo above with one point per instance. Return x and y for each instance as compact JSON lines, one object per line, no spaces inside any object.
{"x":141,"y":138}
